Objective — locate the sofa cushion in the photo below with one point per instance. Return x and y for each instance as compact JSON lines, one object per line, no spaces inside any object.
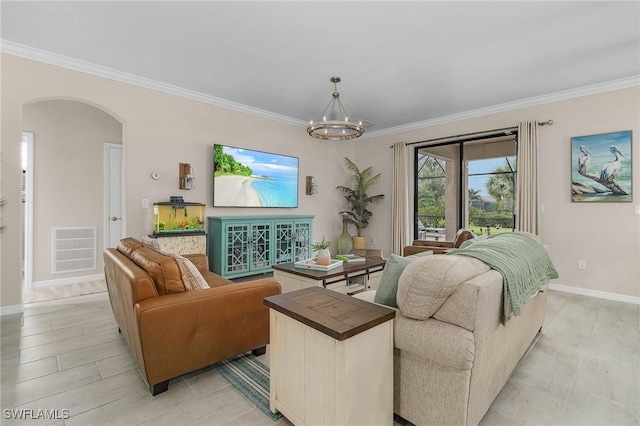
{"x":461,"y":307}
{"x":163,"y":269}
{"x":192,"y":279}
{"x":426,"y":283}
{"x":126,"y":246}
{"x":388,"y":287}
{"x":436,"y":342}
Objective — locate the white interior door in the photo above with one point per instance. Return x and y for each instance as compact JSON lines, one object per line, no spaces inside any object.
{"x":113,"y":201}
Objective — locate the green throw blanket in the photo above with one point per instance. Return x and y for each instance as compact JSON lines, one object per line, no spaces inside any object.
{"x":523,"y":262}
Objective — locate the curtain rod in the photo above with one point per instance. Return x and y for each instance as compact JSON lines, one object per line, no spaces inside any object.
{"x":477,"y":134}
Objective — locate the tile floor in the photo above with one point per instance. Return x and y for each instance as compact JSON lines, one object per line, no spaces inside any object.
{"x":68,"y":354}
{"x":584,"y":369}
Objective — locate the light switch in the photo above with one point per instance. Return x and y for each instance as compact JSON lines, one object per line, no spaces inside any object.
{"x":638,"y":210}
{"x":145,"y":203}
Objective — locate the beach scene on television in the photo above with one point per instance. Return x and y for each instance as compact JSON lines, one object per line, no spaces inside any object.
{"x":247,"y":178}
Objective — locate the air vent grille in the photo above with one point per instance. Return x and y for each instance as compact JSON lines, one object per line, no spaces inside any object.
{"x":74,"y":249}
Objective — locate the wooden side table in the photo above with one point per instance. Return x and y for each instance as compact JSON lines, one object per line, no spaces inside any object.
{"x":331,"y":358}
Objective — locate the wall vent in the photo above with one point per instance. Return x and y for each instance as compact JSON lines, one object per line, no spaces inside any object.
{"x":74,"y":249}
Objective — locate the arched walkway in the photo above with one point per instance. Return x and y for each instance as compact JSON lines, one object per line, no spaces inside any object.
{"x":68,"y":181}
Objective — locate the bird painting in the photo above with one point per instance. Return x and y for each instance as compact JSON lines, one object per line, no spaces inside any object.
{"x":610,"y":170}
{"x":595,"y":175}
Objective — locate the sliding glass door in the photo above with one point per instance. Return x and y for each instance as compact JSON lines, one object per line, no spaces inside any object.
{"x":465,"y":184}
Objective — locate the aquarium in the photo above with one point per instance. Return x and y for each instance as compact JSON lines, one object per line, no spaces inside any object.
{"x":178,"y":218}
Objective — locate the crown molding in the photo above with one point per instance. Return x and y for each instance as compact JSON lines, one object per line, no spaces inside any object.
{"x":593,"y":89}
{"x":123,"y":77}
{"x":105,"y":72}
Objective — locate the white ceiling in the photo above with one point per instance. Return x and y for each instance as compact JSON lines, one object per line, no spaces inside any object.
{"x":400,"y":62}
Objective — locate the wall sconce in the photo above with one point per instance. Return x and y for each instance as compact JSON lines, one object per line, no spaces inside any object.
{"x":187,"y":179}
{"x":312,"y":187}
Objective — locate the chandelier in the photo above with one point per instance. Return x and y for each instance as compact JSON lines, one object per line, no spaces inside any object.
{"x":334,"y":124}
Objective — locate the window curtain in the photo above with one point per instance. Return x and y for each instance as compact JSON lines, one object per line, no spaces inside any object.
{"x":400,"y":199}
{"x":527,"y":200}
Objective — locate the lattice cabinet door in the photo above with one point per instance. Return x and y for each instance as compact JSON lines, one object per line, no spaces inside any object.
{"x":284,"y":242}
{"x":302,"y":241}
{"x":238,"y":245}
{"x":261,"y":246}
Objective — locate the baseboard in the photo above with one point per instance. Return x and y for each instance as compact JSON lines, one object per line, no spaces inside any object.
{"x":10,"y":310}
{"x":66,"y":281}
{"x":595,"y":293}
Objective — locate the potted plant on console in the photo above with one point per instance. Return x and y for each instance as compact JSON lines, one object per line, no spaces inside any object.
{"x":324,"y":255}
{"x":359,"y":201}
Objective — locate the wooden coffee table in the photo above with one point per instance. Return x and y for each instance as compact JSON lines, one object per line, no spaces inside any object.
{"x":331,"y":358}
{"x":350,"y":278}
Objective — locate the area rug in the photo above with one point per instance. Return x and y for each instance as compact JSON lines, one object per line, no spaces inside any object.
{"x":250,"y":377}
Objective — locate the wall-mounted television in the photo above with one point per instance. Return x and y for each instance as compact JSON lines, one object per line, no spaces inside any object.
{"x":247,"y":178}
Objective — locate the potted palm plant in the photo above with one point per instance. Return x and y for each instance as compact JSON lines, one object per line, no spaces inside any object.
{"x":358,"y":200}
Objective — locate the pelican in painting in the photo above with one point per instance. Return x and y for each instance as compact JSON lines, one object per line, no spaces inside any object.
{"x":610,"y":170}
{"x":585,"y":160}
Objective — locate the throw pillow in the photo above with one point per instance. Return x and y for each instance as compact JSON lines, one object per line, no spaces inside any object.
{"x":473,"y":240}
{"x":461,"y":236}
{"x":388,"y":287}
{"x":191,"y":277}
{"x":152,"y":243}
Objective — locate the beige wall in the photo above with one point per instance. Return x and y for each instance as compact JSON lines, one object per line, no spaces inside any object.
{"x":159,"y":132}
{"x":606,"y":235}
{"x":69,"y":140}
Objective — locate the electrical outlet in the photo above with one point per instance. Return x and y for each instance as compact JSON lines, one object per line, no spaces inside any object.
{"x":582,"y":264}
{"x":373,"y":241}
{"x":145,"y":203}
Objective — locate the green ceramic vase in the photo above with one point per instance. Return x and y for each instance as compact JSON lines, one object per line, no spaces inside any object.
{"x":344,"y":240}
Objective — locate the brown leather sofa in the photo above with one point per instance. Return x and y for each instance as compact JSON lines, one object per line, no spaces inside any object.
{"x":172,"y":331}
{"x":439,"y":247}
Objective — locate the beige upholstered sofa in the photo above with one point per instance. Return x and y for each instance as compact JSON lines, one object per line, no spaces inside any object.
{"x":452,"y":355}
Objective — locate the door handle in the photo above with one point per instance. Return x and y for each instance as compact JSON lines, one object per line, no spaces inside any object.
{"x":113,"y":219}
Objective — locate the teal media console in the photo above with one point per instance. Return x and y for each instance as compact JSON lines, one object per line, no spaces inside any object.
{"x":250,"y":245}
